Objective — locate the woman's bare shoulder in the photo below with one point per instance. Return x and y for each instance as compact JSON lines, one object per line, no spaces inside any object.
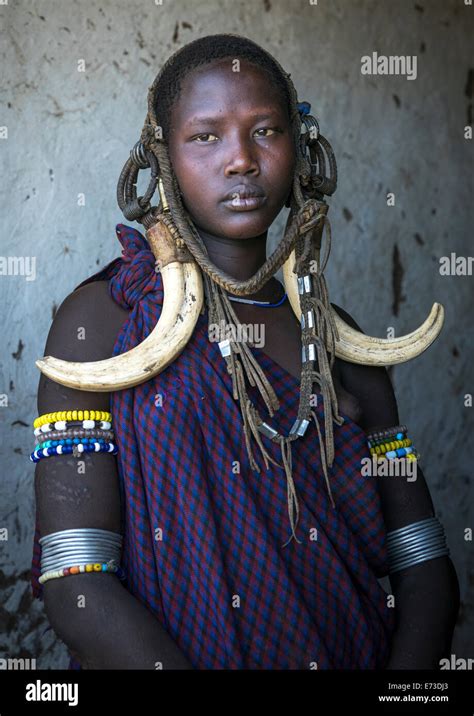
{"x":371,"y":385}
{"x":84,"y":328}
{"x":86,"y":324}
{"x":97,"y":293}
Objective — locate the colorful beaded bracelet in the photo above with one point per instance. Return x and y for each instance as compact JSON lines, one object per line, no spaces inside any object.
{"x":66,"y":424}
{"x":385,"y":447}
{"x":75,"y":450}
{"x":389,"y":438}
{"x":414,"y":455}
{"x":69,"y":441}
{"x":72,"y":415}
{"x":82,"y":569}
{"x":378,"y":434}
{"x":391,"y":443}
{"x":400,"y":452}
{"x":77,"y":433}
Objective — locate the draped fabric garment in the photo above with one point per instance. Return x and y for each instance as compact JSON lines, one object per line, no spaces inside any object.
{"x":203,"y":532}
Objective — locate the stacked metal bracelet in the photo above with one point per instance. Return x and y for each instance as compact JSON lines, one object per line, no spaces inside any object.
{"x":76,"y":551}
{"x":415,"y":543}
{"x":391,"y":443}
{"x":73,"y":432}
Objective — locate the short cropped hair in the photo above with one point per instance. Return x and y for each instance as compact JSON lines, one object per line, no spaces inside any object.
{"x":204,"y":51}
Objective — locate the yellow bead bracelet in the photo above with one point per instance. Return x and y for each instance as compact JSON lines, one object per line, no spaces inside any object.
{"x":72,"y":415}
{"x":393,"y":445}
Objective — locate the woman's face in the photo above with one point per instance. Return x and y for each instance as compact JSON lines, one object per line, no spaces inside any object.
{"x":230,"y":137}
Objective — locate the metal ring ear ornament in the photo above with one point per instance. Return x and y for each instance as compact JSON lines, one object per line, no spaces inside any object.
{"x":319,"y":154}
{"x":140,"y":156}
{"x":135,"y":207}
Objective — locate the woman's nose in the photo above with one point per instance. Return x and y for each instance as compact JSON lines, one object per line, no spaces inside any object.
{"x":241,"y":159}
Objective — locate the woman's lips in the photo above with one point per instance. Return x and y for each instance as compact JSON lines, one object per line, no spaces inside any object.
{"x":249,"y":203}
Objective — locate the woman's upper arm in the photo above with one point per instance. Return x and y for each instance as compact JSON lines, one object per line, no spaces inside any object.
{"x":77,"y":492}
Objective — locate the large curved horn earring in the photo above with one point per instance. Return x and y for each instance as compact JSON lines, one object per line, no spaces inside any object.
{"x":351,"y":345}
{"x":356,"y":347}
{"x":182,"y":303}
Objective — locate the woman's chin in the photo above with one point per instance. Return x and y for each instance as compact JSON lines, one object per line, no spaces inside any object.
{"x":245,"y":225}
{"x":238,"y":225}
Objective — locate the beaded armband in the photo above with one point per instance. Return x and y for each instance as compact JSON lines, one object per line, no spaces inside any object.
{"x":391,"y":443}
{"x":73,"y":432}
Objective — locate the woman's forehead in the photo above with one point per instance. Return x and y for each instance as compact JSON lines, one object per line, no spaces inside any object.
{"x":217,"y":88}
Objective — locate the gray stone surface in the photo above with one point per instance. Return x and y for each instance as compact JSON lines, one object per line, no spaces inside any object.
{"x":70,"y":132}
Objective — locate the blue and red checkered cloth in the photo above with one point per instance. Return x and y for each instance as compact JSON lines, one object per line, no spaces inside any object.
{"x":203,"y":532}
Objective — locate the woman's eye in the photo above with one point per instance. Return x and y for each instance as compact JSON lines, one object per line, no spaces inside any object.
{"x":198,"y":138}
{"x":265,"y":129}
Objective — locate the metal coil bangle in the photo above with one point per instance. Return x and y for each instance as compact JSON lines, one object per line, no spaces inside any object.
{"x":79,"y":531}
{"x":416,"y":543}
{"x":418,"y":559}
{"x":416,"y":546}
{"x":76,"y":546}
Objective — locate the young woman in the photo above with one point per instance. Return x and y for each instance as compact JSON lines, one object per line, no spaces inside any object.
{"x":210,"y":579}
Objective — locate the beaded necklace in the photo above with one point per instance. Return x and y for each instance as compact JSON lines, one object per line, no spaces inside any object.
{"x":264,"y":304}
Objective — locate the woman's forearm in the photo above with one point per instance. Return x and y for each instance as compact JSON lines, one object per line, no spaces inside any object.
{"x":106,"y":627}
{"x":427,"y":604}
